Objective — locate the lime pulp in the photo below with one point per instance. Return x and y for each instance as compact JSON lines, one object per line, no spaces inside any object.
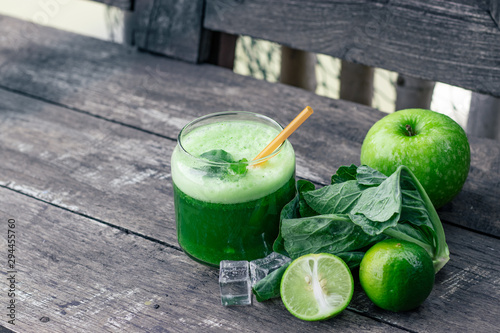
{"x":317,"y":286}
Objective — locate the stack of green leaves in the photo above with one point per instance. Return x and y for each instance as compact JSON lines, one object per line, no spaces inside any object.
{"x":360,"y":208}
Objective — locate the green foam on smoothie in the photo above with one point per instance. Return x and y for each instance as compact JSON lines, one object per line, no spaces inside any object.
{"x":242,"y":139}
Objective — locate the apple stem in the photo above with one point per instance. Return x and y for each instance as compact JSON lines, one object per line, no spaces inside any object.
{"x":410,"y":130}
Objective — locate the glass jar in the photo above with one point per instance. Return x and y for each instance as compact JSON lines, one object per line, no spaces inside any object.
{"x":227,"y":206}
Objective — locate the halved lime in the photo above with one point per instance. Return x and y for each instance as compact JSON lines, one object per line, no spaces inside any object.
{"x":316,"y":286}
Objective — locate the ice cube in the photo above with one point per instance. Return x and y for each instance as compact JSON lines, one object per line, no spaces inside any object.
{"x":260,"y":268}
{"x":234,"y":282}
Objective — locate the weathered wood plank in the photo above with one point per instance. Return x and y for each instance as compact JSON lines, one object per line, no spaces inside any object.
{"x":87,"y":165}
{"x":91,"y":166}
{"x":356,"y":83}
{"x":219,"y":49}
{"x":484,"y":117}
{"x":298,"y":68}
{"x":413,"y":93}
{"x":494,"y":11}
{"x":160,"y":96}
{"x":456,"y":42}
{"x":79,"y":164}
{"x":122,"y":4}
{"x":85,"y":153}
{"x":169,"y":27}
{"x":88,"y":277}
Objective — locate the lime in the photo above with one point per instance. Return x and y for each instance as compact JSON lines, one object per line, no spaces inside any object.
{"x":316,"y":286}
{"x":396,"y":275}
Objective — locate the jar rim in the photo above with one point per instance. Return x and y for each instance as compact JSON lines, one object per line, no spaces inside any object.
{"x":230,"y":113}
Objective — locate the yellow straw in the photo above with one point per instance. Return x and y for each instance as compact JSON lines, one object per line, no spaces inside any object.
{"x":285,"y":133}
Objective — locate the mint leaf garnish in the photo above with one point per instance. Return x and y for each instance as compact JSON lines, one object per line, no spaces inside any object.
{"x":218,"y":155}
{"x":225,"y":166}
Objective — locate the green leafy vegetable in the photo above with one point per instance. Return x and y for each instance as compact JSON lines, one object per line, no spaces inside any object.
{"x":352,"y":259}
{"x":361,"y":207}
{"x":378,"y":207}
{"x":345,"y":173}
{"x":292,"y":210}
{"x":329,"y":233}
{"x":369,"y":177}
{"x":269,"y":287}
{"x":224,"y":166}
{"x":409,"y":214}
{"x":337,"y":198}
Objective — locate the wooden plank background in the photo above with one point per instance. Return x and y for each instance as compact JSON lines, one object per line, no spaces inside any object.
{"x":169,"y":27}
{"x":101,"y":173}
{"x":90,"y":277}
{"x":144,"y":92}
{"x":459,"y":41}
{"x":78,"y":162}
{"x":86,"y":132}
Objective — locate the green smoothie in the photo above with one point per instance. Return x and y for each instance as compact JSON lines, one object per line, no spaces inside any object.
{"x":230,"y":210}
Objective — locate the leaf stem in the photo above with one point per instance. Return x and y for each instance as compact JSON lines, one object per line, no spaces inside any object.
{"x":391,"y":232}
{"x":441,"y":254}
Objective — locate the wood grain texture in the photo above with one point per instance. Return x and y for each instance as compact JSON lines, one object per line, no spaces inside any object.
{"x":169,"y":27}
{"x":298,"y":68}
{"x":356,"y":83}
{"x":88,"y":166}
{"x":4,"y":329}
{"x":160,"y":96}
{"x":413,"y":93}
{"x":88,"y":277}
{"x":495,"y":11}
{"x":484,"y":116}
{"x":122,"y":4}
{"x":457,"y":42}
{"x":88,"y":127}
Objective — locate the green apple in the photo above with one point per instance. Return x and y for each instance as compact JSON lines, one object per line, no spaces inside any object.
{"x":431,"y":144}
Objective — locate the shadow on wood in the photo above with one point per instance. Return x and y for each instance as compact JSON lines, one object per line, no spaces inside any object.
{"x":413,"y":92}
{"x":356,"y":83}
{"x":298,"y":68}
{"x":484,"y":116}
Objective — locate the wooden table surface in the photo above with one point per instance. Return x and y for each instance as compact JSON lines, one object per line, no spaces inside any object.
{"x":87,"y":129}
